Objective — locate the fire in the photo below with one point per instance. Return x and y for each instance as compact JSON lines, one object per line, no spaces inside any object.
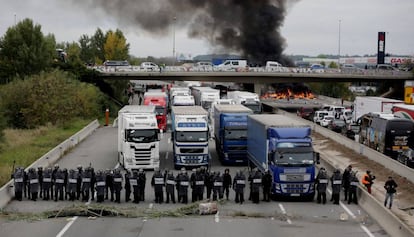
{"x":288,"y":94}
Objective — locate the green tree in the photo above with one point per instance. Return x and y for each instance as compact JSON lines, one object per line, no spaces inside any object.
{"x":116,"y":47}
{"x":86,"y":49}
{"x":24,"y":50}
{"x":333,"y":65}
{"x":54,"y":97}
{"x":97,"y":44}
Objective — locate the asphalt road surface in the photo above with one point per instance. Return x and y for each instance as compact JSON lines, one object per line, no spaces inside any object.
{"x":275,"y":218}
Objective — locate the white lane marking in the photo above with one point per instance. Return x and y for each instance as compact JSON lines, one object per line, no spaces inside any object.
{"x":150,"y":206}
{"x":364,"y":228}
{"x":166,"y":155}
{"x":282,"y":208}
{"x":66,"y":227}
{"x":217,"y":217}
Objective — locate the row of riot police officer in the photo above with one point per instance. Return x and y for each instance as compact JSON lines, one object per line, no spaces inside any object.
{"x":61,"y":184}
{"x":347,"y":181}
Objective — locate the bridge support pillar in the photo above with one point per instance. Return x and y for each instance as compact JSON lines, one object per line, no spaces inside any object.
{"x":259,"y":88}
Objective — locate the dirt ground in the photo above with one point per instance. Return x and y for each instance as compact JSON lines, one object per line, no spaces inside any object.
{"x":403,"y":205}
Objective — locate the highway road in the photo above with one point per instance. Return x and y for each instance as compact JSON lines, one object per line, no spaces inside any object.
{"x":274,"y":218}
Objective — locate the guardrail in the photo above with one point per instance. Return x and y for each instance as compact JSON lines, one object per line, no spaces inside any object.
{"x":48,"y":159}
{"x":393,"y":225}
{"x":367,"y":72}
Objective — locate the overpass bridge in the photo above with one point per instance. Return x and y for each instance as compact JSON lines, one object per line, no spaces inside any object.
{"x":261,"y":77}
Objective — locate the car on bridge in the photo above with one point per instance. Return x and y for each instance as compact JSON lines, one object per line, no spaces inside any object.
{"x":149,"y":66}
{"x":326,"y":120}
{"x":336,"y":125}
{"x":318,"y":68}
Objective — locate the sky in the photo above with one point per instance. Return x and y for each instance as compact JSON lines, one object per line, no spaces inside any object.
{"x":311,"y":27}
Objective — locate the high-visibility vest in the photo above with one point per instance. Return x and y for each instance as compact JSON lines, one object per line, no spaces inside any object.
{"x":365,"y":179}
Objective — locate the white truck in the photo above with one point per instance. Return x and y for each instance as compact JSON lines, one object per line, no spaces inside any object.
{"x":182,"y":100}
{"x":138,"y":137}
{"x":205,"y":96}
{"x":366,"y":104}
{"x":249,"y":99}
{"x":190,"y":135}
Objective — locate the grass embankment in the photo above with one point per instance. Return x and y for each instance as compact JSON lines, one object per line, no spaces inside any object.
{"x":24,"y":146}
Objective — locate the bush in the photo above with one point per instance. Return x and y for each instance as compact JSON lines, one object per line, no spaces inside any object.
{"x":49,"y":97}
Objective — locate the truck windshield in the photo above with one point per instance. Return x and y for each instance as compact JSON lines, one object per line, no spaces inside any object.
{"x":141,"y":136}
{"x":235,"y":134}
{"x":159,"y":110}
{"x":293,"y":157}
{"x":254,"y":107}
{"x":190,"y":136}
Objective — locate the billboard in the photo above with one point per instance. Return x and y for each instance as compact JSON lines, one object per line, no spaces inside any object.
{"x":381,"y":48}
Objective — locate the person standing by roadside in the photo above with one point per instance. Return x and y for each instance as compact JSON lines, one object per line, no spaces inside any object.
{"x":346,"y":180}
{"x":353,"y":186}
{"x":267,"y":185}
{"x":390,"y":186}
{"x":368,"y":180}
{"x":227,"y":182}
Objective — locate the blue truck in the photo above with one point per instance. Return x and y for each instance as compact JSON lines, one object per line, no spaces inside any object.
{"x":283,"y":146}
{"x":230,"y":132}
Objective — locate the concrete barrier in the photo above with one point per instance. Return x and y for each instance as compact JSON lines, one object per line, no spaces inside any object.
{"x":393,"y":225}
{"x":48,"y":159}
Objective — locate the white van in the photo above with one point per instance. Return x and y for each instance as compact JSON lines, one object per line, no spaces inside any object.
{"x":233,"y":65}
{"x":273,"y":66}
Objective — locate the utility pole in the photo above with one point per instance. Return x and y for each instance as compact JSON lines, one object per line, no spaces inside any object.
{"x":174,"y":20}
{"x":339,"y":44}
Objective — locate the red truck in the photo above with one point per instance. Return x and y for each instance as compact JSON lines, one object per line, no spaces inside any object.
{"x":159,"y":99}
{"x":403,"y":111}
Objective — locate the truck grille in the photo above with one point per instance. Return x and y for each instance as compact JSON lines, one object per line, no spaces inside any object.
{"x":142,"y":155}
{"x":293,"y":188}
{"x":192,"y":159}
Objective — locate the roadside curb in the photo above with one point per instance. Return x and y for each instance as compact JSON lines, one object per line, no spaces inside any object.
{"x":7,"y":191}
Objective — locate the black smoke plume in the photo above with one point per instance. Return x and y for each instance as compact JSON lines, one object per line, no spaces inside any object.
{"x":248,"y":27}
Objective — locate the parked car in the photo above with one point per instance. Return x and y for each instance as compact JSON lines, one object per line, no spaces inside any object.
{"x":337,"y":125}
{"x":326,"y":120}
{"x":351,"y":130}
{"x":406,"y":157}
{"x":149,"y":66}
{"x":305,"y":112}
{"x":318,"y":68}
{"x":319,"y":115}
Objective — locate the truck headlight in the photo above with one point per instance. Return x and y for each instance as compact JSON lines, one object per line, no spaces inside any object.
{"x":306,"y":177}
{"x":226,"y":155}
{"x":282,"y":177}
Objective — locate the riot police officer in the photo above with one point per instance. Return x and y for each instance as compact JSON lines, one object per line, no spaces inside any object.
{"x":109,"y":182}
{"x":336,"y":181}
{"x":117,"y":185}
{"x":256,"y":183}
{"x":199,"y":185}
{"x":218,"y":186}
{"x":93,"y":180}
{"x":142,"y":180}
{"x":127,"y":185}
{"x":239,"y":183}
{"x":86,"y":184}
{"x":135,"y":186}
{"x":209,"y":181}
{"x":40,"y":175}
{"x":72,"y":184}
{"x":157,"y":182}
{"x":169,"y":187}
{"x":100,"y":186}
{"x":267,"y":185}
{"x":79,"y":181}
{"x":59,"y":183}
{"x":18,"y":176}
{"x":183,"y":181}
{"x":321,"y":185}
{"x":55,"y":169}
{"x":47,"y":183}
{"x":353,"y":186}
{"x":65,"y":183}
{"x":33,"y":183}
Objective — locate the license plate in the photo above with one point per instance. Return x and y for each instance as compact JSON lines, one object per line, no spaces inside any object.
{"x":295,"y":194}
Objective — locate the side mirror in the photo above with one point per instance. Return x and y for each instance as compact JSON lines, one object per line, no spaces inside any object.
{"x":317,"y":158}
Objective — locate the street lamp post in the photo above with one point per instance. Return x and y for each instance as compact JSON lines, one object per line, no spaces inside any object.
{"x":174,"y":20}
{"x":339,"y":44}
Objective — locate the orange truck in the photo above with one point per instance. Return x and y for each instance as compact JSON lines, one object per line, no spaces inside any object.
{"x":159,"y":100}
